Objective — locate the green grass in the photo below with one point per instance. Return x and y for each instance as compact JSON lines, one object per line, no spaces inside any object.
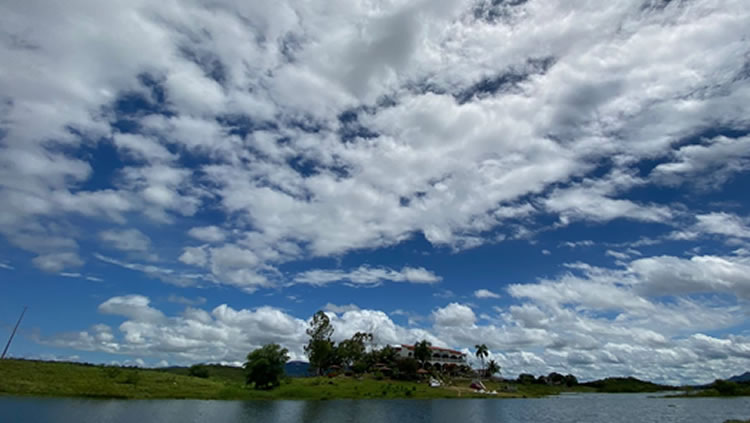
{"x":40,"y":378}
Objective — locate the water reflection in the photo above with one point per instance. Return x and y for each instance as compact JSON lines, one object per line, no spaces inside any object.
{"x":564,"y":409}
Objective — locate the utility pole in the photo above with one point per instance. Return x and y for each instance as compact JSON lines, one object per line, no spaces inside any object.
{"x":12,"y":334}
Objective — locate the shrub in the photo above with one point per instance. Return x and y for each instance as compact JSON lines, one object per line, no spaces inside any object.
{"x":199,"y":370}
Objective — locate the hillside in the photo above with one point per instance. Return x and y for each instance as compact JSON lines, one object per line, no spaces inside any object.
{"x":626,"y":384}
{"x":745,"y":377}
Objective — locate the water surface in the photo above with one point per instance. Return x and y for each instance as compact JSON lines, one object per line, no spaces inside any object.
{"x":582,"y":408}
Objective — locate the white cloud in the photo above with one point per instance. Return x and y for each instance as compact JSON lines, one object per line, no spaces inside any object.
{"x":485,"y":293}
{"x":450,"y":136}
{"x":55,"y":262}
{"x":723,"y":224}
{"x":126,"y":240}
{"x":207,"y":233}
{"x":710,"y":163}
{"x":365,"y":275}
{"x":6,"y":266}
{"x":338,"y":309}
{"x":134,"y":307}
{"x":454,"y":315}
{"x":667,"y":275}
{"x":665,"y":343}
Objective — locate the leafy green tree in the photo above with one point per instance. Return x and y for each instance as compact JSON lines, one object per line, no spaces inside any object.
{"x":482,"y":353}
{"x":492,"y":368}
{"x":407,"y":368}
{"x":265,"y":366}
{"x":353,"y":350}
{"x":199,"y":370}
{"x":571,"y":380}
{"x":526,"y":378}
{"x":320,"y":349}
{"x":422,"y":352}
{"x":726,"y":388}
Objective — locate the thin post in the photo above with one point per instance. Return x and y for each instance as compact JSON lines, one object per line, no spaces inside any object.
{"x":12,"y":334}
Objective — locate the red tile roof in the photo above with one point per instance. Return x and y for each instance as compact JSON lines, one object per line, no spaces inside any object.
{"x":448,"y":350}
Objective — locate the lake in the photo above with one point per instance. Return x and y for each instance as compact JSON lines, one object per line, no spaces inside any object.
{"x":580,"y":408}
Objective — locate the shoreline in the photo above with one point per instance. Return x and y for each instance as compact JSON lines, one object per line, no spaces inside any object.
{"x":27,"y":378}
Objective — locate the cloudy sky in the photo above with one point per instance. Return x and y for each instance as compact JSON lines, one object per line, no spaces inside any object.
{"x":565,"y":181}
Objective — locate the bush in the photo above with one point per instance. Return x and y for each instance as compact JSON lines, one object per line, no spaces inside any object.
{"x":726,"y":388}
{"x":199,"y":370}
{"x":406,"y":369}
{"x":133,"y":377}
{"x":112,"y":372}
{"x":265,"y":366}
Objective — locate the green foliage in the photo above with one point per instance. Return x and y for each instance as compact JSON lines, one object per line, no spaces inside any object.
{"x":571,"y":380}
{"x":132,"y":377}
{"x":482,"y":353}
{"x":422,"y":351}
{"x":320,"y":349}
{"x":265,"y":366}
{"x":726,"y":388}
{"x":629,"y":384}
{"x":199,"y":370}
{"x":111,"y":372}
{"x":38,"y":378}
{"x":526,"y":378}
{"x":407,"y":369}
{"x":492,"y":368}
{"x":353,"y":350}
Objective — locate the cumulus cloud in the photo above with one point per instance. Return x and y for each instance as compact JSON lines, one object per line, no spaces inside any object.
{"x":530,"y":337}
{"x":707,"y":164}
{"x":207,"y":233}
{"x":365,"y":275}
{"x":485,"y":293}
{"x":333,"y":141}
{"x":126,"y":240}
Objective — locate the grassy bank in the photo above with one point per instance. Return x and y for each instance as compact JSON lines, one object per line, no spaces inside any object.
{"x":39,"y":378}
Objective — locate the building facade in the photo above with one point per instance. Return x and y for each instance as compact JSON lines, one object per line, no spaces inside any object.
{"x":441,"y":357}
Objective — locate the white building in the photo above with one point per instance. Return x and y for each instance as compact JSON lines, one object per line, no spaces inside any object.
{"x":440,"y":356}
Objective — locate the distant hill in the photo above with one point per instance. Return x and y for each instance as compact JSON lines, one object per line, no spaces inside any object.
{"x":745,"y":377}
{"x":626,"y":384}
{"x":297,"y":369}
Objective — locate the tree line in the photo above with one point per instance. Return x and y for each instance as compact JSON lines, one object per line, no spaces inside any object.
{"x":356,"y":355}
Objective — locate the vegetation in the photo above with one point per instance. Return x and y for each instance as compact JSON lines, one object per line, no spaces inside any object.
{"x":492,"y":368}
{"x":320,"y":349}
{"x":422,"y":352}
{"x":199,"y":370}
{"x":40,"y":378}
{"x":265,"y":366}
{"x":720,"y":388}
{"x":482,"y":353}
{"x":629,"y":384}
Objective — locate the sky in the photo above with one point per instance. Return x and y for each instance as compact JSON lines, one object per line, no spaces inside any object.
{"x":562,"y":180}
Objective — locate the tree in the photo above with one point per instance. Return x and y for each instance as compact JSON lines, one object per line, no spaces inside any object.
{"x":526,"y":378}
{"x":571,"y":380}
{"x":407,"y":369}
{"x":422,"y":352}
{"x":481,"y":353}
{"x":320,"y":348}
{"x":199,"y":370}
{"x":353,"y":350}
{"x":492,"y":368}
{"x":265,"y":366}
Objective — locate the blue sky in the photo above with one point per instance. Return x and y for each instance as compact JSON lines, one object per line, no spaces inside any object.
{"x":563,"y":181}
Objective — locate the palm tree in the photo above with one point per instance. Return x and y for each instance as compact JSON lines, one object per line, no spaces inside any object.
{"x":492,"y":368}
{"x":481,"y":353}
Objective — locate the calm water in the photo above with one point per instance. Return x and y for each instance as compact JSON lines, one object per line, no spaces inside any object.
{"x":607,"y":408}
